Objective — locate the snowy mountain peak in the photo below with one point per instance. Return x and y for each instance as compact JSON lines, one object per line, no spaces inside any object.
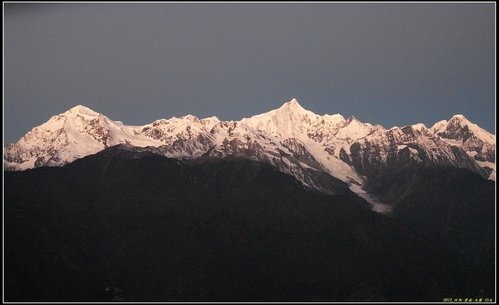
{"x":438,"y":126}
{"x":477,"y":142}
{"x":461,"y":121}
{"x":293,"y":103}
{"x":419,"y":127}
{"x":211,"y":119}
{"x":82,"y":110}
{"x":459,"y":117}
{"x":352,"y":119}
{"x":289,"y":120}
{"x":293,"y":106}
{"x":458,"y":120}
{"x":190,"y":117}
{"x":334,"y":118}
{"x":460,"y":128}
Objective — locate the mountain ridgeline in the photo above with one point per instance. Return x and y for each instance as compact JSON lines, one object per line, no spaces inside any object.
{"x":295,"y":140}
{"x":276,"y":207}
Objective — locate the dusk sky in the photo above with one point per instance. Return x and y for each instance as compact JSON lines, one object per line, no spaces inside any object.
{"x":384,"y":63}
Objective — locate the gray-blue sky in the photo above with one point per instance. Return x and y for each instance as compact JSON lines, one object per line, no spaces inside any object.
{"x":388,"y":64}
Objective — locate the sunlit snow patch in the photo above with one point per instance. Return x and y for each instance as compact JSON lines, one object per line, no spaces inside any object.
{"x":377,"y":206}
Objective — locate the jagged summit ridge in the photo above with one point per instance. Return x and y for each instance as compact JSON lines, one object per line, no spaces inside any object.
{"x":295,"y":140}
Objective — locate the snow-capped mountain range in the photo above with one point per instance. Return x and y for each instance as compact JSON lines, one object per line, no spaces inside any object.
{"x":293,"y":139}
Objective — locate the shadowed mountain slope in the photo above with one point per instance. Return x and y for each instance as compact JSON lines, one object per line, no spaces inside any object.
{"x":136,"y":226}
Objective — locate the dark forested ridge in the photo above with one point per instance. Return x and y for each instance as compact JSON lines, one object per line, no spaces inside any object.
{"x":451,"y":207}
{"x":134,"y":226}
